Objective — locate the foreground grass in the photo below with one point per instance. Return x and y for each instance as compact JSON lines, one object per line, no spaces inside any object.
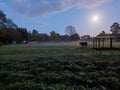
{"x":49,"y":67}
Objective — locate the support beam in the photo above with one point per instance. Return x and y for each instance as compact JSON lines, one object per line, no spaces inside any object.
{"x":99,"y":43}
{"x":103,"y":40}
{"x":96,"y":42}
{"x":111,"y":42}
{"x":93,"y":42}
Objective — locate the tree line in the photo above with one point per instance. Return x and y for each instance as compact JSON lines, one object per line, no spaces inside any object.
{"x":10,"y":32}
{"x":70,"y":35}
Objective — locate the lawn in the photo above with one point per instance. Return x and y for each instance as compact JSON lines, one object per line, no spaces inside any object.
{"x":58,"y":67}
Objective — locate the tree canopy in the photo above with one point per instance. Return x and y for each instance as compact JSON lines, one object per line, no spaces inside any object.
{"x":10,"y":32}
{"x":115,"y":28}
{"x":70,"y":30}
{"x":6,"y":22}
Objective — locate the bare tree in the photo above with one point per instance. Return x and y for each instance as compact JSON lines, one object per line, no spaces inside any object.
{"x":70,"y":30}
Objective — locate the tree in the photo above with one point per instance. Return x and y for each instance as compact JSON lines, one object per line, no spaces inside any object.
{"x":20,"y":35}
{"x":2,"y":19}
{"x":43,"y":37}
{"x":54,"y":36}
{"x":75,"y":37}
{"x":7,"y":29}
{"x":102,"y":33}
{"x":24,"y":33}
{"x":29,"y":36}
{"x":10,"y":24}
{"x":6,"y":35}
{"x":64,"y":37}
{"x":34,"y":35}
{"x":115,"y":28}
{"x":70,"y":30}
{"x":5,"y":22}
{"x":34,"y":32}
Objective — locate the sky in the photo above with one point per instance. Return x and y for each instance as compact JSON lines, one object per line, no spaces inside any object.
{"x":89,"y":17}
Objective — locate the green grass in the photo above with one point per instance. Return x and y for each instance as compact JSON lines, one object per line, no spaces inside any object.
{"x":58,"y":67}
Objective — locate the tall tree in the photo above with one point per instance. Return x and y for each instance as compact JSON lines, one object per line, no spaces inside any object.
{"x":115,"y":28}
{"x":54,"y":36}
{"x":2,"y":19}
{"x":34,"y":32}
{"x":70,"y":30}
{"x":5,"y":22}
{"x":35,"y":35}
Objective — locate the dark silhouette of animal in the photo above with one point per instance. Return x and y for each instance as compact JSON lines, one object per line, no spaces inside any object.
{"x":83,"y":44}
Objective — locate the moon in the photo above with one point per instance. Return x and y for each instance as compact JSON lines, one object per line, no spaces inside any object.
{"x":95,"y":18}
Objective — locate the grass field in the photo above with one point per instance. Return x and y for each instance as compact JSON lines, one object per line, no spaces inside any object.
{"x":58,"y":67}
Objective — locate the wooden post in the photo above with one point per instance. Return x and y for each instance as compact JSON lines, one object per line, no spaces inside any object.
{"x":93,"y":42}
{"x":96,"y":42}
{"x":110,"y":42}
{"x":103,"y":42}
{"x":99,"y":43}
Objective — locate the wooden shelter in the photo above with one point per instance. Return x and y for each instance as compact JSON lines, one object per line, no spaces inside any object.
{"x":99,"y":42}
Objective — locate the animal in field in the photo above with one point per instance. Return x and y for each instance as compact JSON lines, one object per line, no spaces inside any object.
{"x":83,"y":44}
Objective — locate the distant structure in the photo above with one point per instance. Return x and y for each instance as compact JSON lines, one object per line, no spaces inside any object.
{"x":86,"y":37}
{"x":108,"y":39}
{"x":105,"y":41}
{"x":99,"y":42}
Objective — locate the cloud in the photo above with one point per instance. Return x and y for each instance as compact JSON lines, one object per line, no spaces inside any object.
{"x":44,"y":7}
{"x":89,"y":4}
{"x":41,"y":24}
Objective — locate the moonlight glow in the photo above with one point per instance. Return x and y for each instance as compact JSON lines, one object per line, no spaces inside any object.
{"x":95,"y":18}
